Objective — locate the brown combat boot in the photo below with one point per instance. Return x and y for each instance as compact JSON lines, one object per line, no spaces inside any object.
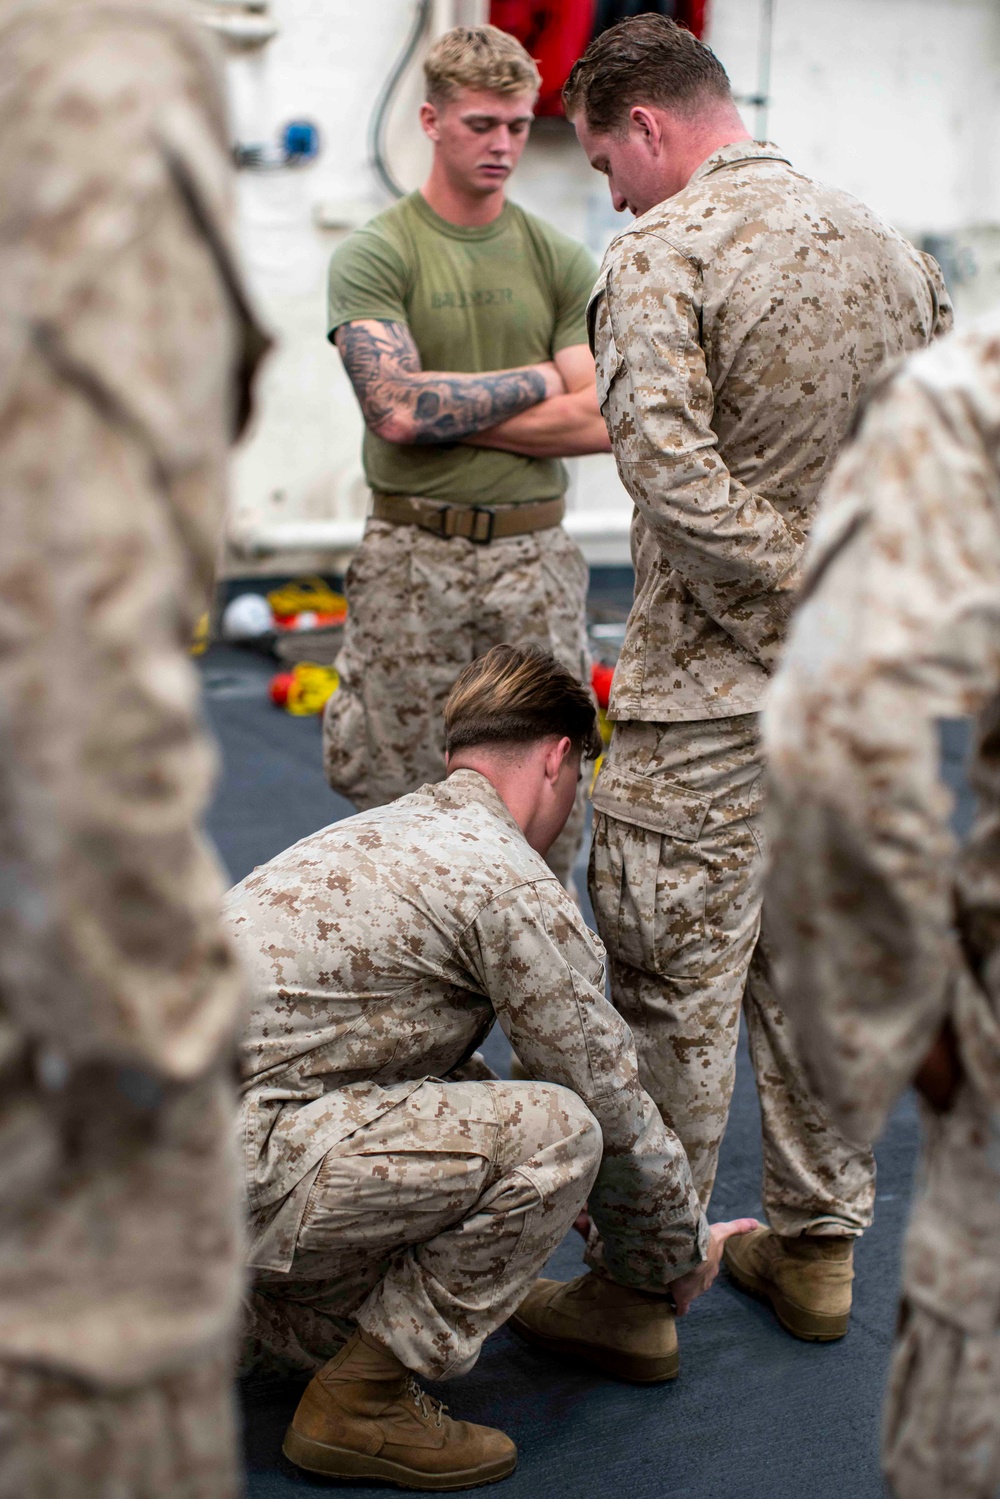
{"x":364,"y":1416}
{"x":630,"y":1334}
{"x":806,"y":1280}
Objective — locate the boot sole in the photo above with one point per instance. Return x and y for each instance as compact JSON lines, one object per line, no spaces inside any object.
{"x":809,"y":1327}
{"x":341,"y":1462}
{"x":632,"y":1367}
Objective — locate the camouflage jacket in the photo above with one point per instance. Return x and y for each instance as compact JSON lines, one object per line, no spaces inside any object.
{"x":380,"y":952}
{"x":885,"y":924}
{"x":734,"y":327}
{"x":125,"y":350}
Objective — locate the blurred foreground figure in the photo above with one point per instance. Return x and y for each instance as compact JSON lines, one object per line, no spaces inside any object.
{"x":123,"y":335}
{"x":735,"y":325}
{"x":888,"y":932}
{"x":404,"y":1197}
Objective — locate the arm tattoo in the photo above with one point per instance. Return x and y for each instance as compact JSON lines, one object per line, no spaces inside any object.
{"x":383,"y":364}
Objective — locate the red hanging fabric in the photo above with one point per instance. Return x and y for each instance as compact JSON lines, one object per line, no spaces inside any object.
{"x":557,"y":32}
{"x":694,"y":15}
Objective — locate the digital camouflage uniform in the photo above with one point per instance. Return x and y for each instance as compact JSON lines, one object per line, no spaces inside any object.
{"x":886,"y":926}
{"x":393,"y":1182}
{"x":122,"y":330}
{"x":422,"y":608}
{"x":734,"y":327}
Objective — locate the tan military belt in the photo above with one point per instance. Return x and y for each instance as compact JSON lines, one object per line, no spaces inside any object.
{"x":479,"y":523}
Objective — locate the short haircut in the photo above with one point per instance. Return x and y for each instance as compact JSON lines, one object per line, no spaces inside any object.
{"x":518,"y":695}
{"x":478,"y":57}
{"x":644,"y":60}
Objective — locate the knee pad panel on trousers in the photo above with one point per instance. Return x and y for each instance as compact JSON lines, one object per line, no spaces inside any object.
{"x":550,"y":1131}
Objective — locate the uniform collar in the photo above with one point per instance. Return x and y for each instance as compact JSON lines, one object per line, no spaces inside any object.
{"x":733,"y":155}
{"x":465,"y":786}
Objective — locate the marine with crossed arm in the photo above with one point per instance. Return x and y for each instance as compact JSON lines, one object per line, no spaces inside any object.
{"x":460,"y":319}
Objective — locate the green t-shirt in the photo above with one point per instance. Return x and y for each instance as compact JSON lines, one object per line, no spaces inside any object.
{"x":512,"y":293}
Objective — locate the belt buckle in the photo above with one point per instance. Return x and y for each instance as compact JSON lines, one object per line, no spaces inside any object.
{"x":474,"y":536}
{"x":436,"y":522}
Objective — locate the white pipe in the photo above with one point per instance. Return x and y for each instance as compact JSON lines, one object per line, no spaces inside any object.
{"x":298,"y":536}
{"x":766,"y":44}
{"x":596,"y":528}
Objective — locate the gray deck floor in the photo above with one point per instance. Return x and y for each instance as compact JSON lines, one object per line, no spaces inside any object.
{"x":753,"y":1413}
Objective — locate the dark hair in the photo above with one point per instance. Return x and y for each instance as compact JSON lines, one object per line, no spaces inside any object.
{"x":516,"y":695}
{"x":643,"y":60}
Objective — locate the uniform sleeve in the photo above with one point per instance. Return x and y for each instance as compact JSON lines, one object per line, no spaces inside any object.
{"x":576,"y":274}
{"x":943,"y":318}
{"x":544,"y":973}
{"x":900,"y":628}
{"x":368,"y":279}
{"x":729,"y":544}
{"x":114,"y":425}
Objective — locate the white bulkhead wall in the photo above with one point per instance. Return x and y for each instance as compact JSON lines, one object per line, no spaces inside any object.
{"x":898,"y":101}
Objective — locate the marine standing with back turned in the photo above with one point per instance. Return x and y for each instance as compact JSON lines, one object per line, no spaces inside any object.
{"x":460,"y":319}
{"x":735,"y":324}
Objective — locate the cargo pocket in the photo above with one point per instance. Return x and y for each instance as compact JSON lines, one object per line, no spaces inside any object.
{"x":565,"y":575}
{"x":378,"y":577}
{"x":402,"y":1177}
{"x":360,"y":719}
{"x":647,"y":854}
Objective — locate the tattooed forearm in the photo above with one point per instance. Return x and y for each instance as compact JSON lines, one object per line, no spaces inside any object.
{"x":450,"y":407}
{"x":405,"y":404}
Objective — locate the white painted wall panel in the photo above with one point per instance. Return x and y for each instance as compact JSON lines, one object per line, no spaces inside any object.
{"x":898,"y":101}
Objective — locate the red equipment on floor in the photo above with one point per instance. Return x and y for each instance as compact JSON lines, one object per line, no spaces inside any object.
{"x":557,"y":32}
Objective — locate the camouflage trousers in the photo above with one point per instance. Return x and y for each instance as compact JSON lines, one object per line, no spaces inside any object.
{"x":170,"y":1438}
{"x":422,"y":608}
{"x":675,"y":881}
{"x":941,"y":1435}
{"x":428,"y":1226}
{"x":120,"y":1282}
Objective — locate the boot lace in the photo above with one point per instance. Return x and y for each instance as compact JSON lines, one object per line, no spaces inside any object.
{"x":429,"y":1408}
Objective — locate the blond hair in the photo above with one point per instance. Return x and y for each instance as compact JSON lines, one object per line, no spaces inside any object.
{"x":518,"y":695}
{"x":478,"y":57}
